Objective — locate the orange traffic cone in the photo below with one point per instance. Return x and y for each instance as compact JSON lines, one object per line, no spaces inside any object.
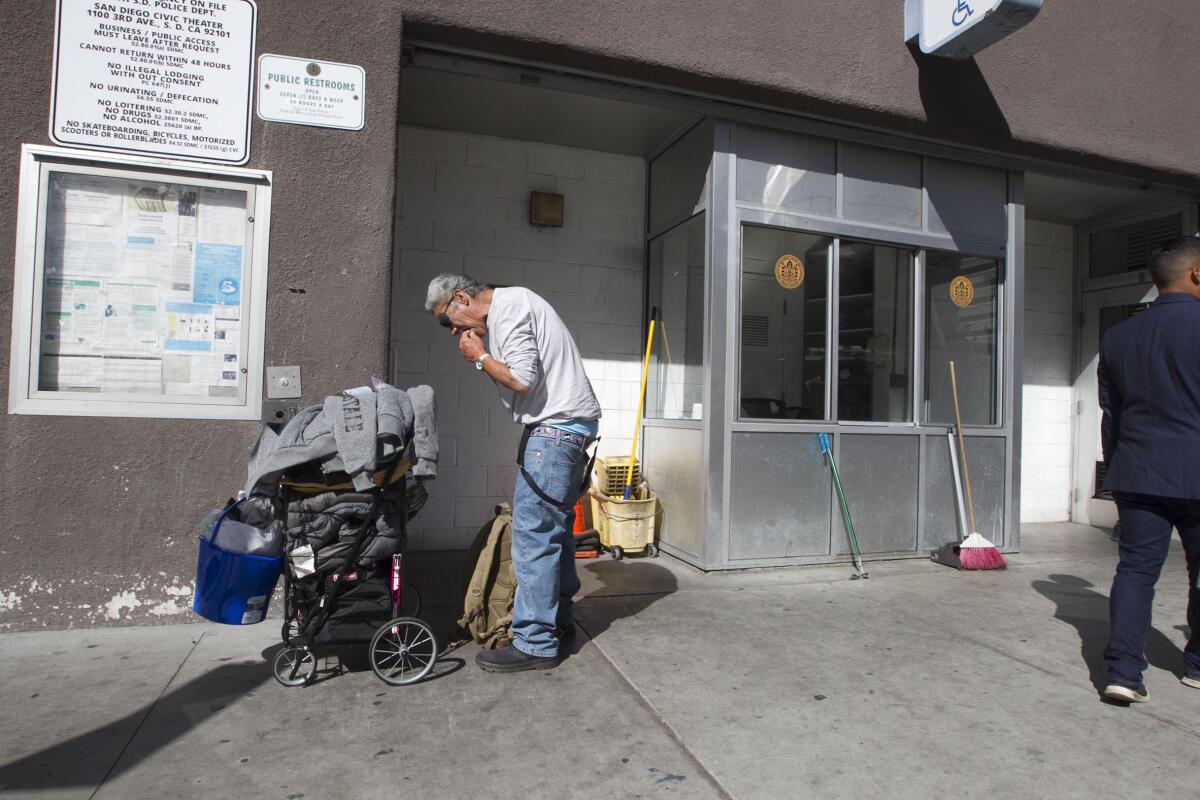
{"x":580,"y":526}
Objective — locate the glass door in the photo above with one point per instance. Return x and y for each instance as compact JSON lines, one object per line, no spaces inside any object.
{"x":784,"y":317}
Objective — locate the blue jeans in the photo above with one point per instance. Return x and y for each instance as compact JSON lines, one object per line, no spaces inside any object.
{"x":1146,"y":523}
{"x":543,"y":546}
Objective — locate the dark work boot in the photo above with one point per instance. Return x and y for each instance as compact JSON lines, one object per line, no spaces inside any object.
{"x":510,"y":659}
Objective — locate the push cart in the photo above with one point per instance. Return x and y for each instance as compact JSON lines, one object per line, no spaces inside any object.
{"x":351,"y":590}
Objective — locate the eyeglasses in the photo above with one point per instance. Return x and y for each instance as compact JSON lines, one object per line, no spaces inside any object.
{"x":443,"y":319}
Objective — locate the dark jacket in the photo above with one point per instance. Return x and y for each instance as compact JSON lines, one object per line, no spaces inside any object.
{"x":1149,"y":379}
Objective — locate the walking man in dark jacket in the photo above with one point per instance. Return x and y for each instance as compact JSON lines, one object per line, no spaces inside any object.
{"x":1149,"y":379}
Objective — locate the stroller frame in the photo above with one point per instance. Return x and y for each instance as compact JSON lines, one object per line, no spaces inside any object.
{"x":403,"y":649}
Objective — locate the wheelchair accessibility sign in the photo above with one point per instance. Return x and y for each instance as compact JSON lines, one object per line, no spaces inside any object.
{"x":961,"y":12}
{"x":961,"y":28}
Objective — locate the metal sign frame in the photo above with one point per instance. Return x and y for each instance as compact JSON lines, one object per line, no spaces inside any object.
{"x":24,"y":395}
{"x":238,"y":155}
{"x":973,"y":24}
{"x":267,"y":61}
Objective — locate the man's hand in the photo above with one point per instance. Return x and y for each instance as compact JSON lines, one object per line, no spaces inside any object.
{"x":470,"y":346}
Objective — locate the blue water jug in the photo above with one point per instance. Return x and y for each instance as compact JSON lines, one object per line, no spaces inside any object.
{"x":233,"y":588}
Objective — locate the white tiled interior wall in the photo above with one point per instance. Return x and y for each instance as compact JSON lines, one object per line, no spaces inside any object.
{"x":463,"y":206}
{"x":1047,"y":394}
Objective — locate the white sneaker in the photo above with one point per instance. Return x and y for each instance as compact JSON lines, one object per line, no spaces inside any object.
{"x":1188,"y":680}
{"x":1123,"y":694}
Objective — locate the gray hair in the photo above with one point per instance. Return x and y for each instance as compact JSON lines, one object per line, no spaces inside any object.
{"x":445,"y":285}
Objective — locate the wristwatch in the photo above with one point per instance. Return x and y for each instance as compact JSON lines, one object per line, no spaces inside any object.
{"x":479,"y":361}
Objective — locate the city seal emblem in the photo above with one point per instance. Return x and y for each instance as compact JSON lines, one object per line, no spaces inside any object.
{"x":789,"y":272}
{"x":962,"y":291}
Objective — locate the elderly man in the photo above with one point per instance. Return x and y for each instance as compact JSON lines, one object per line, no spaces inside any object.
{"x":1150,"y":393}
{"x":539,"y":373}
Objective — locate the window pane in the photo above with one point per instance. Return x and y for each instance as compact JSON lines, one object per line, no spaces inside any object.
{"x":882,"y":186}
{"x":786,"y":170}
{"x":967,"y":201}
{"x":679,"y":179}
{"x":961,"y":313}
{"x":783,"y":329}
{"x":676,"y":381}
{"x":874,"y":342}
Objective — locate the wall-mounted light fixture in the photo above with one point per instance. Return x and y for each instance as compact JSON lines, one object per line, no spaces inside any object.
{"x":546,"y":209}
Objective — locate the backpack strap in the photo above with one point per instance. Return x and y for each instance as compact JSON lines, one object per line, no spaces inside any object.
{"x":559,"y":504}
{"x":494,"y":635}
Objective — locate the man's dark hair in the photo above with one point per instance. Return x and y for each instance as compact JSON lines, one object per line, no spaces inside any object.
{"x":1173,"y":259}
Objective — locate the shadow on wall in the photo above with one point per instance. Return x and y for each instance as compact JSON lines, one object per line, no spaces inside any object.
{"x":957,"y":99}
{"x":1086,"y":610}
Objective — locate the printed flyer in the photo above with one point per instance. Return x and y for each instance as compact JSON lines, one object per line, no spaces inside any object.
{"x":141,"y":289}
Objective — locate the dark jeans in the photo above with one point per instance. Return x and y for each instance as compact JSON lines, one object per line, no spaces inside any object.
{"x":1146,"y":523}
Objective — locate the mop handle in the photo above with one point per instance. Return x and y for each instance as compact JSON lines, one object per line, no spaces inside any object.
{"x":960,"y":502}
{"x":637,"y":424}
{"x":962,"y":445}
{"x":841,"y":493}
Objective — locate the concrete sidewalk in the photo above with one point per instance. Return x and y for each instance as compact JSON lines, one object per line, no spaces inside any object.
{"x":922,"y":682}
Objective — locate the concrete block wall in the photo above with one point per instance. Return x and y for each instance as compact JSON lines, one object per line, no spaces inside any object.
{"x":463,"y":206}
{"x":1046,"y":432}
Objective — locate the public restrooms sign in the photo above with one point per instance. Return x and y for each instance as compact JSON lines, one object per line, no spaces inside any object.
{"x":961,"y":28}
{"x":168,"y":78}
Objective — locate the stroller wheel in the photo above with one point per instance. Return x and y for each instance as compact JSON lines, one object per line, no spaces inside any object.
{"x":295,"y":666}
{"x":403,"y":651}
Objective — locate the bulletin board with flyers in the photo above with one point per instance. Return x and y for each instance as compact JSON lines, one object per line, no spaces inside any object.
{"x":139,"y":288}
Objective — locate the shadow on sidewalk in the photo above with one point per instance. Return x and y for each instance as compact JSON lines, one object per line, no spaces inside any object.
{"x":88,"y":759}
{"x":629,"y":587}
{"x":1086,"y":610}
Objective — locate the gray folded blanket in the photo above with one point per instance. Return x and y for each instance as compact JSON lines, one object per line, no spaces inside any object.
{"x":345,"y":433}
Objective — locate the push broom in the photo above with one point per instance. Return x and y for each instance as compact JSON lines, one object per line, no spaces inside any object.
{"x":975,"y":552}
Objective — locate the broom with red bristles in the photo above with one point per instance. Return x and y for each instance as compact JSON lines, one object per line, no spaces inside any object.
{"x":975,"y":552}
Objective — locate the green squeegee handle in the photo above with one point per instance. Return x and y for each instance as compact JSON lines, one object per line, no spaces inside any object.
{"x":827,"y":451}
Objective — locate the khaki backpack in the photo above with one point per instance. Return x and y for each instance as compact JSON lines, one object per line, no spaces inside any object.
{"x":491,"y":583}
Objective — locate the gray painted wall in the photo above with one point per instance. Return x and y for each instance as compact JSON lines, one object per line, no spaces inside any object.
{"x":1098,"y":83}
{"x":102,"y":509}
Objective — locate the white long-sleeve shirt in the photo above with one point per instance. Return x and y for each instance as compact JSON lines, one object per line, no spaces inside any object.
{"x":526,"y":333}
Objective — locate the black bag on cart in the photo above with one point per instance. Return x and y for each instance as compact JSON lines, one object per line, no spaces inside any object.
{"x":358,"y":612}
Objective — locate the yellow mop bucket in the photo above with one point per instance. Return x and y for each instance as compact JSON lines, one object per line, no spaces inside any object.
{"x":625,"y":526}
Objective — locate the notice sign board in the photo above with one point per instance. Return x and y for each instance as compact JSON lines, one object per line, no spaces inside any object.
{"x":169,"y":78}
{"x":306,"y":92}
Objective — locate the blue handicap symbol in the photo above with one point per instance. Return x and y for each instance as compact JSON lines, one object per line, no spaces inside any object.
{"x":960,"y":13}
